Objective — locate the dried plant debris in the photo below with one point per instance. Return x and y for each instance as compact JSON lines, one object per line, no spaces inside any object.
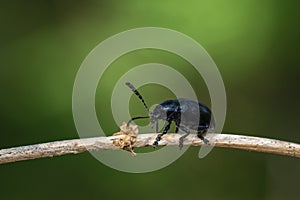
{"x":128,"y":135}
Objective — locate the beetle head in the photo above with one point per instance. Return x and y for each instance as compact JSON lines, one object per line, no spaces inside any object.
{"x":158,"y":113}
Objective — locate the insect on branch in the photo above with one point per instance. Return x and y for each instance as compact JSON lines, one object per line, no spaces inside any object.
{"x":128,"y":139}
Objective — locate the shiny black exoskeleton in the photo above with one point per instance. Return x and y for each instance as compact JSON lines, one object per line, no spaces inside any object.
{"x":187,"y":114}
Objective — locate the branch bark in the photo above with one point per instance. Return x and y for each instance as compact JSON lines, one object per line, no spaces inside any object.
{"x":76,"y":146}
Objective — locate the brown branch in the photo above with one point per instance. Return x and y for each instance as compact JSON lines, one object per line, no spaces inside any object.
{"x":75,"y":146}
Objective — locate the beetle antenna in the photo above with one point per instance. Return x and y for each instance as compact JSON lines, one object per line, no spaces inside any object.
{"x":137,"y":94}
{"x":134,"y":118}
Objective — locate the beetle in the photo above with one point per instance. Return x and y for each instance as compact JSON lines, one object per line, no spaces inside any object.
{"x":183,"y":112}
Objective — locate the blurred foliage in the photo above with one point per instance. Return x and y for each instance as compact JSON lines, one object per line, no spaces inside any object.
{"x":255,"y":45}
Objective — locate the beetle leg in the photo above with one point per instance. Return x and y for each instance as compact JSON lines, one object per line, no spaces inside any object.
{"x":200,"y":134}
{"x":158,"y":138}
{"x":177,"y":122}
{"x":187,"y":132}
{"x":177,"y":127}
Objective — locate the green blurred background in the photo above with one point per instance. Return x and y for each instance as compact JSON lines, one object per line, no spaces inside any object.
{"x":254,"y":43}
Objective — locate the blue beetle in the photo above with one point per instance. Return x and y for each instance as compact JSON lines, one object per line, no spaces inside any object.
{"x":183,"y":112}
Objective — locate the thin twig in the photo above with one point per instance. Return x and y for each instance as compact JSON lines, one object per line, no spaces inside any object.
{"x":76,"y":146}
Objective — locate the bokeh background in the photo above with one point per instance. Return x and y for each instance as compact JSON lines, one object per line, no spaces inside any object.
{"x":254,"y":43}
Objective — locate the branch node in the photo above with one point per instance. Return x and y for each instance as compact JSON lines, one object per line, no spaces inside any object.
{"x":128,"y":136}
